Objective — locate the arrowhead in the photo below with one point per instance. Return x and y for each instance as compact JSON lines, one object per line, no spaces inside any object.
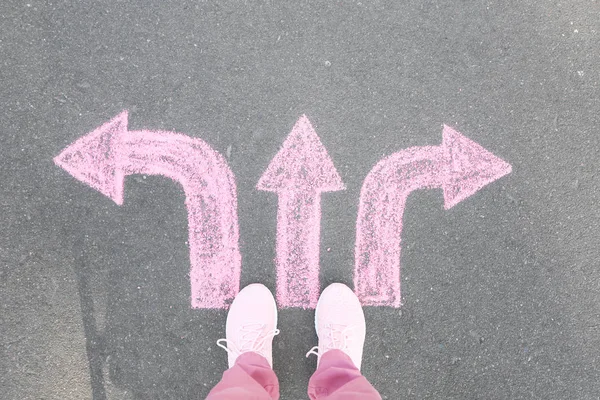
{"x":92,"y":159}
{"x":469,"y":167}
{"x":302,"y":163}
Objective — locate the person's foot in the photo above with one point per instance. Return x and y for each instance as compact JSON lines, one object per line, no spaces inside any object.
{"x":340,"y":323}
{"x":251,"y":324}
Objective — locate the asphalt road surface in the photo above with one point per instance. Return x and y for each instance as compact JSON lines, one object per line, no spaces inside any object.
{"x":501,"y":293}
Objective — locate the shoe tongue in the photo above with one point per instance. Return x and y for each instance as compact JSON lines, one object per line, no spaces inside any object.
{"x":337,"y":339}
{"x":250,"y":336}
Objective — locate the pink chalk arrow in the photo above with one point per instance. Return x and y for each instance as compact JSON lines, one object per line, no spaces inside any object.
{"x":102,"y":159}
{"x":460,"y":167}
{"x":299,"y":173}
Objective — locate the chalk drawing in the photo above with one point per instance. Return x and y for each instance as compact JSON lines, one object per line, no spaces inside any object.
{"x":102,"y":159}
{"x":300,"y":172}
{"x":460,"y":167}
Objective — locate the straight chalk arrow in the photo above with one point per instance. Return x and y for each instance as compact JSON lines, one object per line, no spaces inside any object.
{"x":300,"y":172}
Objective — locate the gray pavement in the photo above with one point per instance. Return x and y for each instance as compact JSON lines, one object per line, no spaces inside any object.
{"x":501,"y":293}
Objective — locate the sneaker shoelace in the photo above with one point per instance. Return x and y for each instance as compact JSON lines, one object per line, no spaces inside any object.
{"x":252,"y":338}
{"x":338,"y":337}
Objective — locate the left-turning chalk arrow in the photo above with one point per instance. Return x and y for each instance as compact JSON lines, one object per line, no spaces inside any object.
{"x":299,"y":174}
{"x":102,"y":159}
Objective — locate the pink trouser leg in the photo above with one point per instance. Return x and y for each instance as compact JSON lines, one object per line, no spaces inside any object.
{"x":338,"y":379}
{"x":251,"y":378}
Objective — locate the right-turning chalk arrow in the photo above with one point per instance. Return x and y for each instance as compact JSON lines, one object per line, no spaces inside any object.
{"x":299,"y":173}
{"x":460,"y":167}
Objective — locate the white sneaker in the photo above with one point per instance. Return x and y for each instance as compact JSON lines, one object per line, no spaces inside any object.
{"x":251,"y":324}
{"x":340,"y":323}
